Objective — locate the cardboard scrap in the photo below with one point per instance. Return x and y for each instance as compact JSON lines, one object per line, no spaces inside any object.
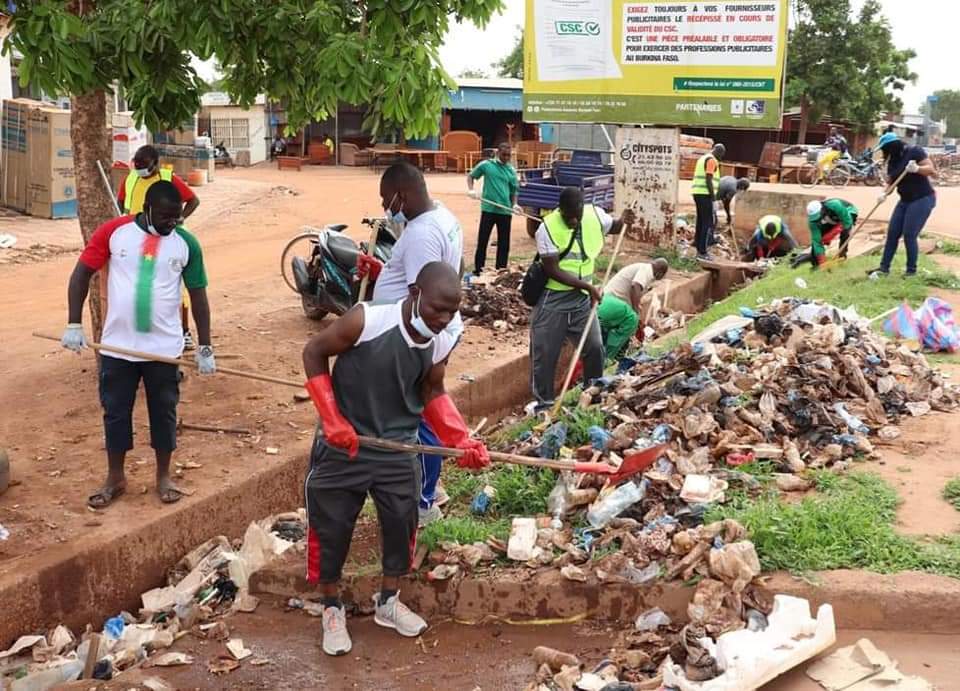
{"x":863,"y":667}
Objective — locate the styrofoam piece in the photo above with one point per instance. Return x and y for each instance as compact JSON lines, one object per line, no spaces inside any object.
{"x":523,"y":539}
{"x":750,"y":659}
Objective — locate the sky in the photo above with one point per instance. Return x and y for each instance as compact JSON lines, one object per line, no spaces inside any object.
{"x":927,"y":26}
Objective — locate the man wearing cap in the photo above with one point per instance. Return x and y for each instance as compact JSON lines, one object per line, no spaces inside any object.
{"x":772,"y":238}
{"x":827,"y":220}
{"x":704,"y":191}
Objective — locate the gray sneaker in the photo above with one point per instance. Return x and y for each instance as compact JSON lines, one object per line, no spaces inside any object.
{"x":428,"y":516}
{"x":396,"y":615}
{"x":336,"y":639}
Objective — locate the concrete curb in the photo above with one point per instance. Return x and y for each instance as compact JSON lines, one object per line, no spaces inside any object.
{"x":907,"y":602}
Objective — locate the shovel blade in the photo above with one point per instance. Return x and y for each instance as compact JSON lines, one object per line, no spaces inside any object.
{"x":637,"y":462}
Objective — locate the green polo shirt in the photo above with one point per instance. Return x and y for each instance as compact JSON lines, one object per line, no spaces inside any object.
{"x":499,"y":184}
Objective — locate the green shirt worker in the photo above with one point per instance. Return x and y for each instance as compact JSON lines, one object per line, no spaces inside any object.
{"x":619,"y":311}
{"x":569,"y":241}
{"x":499,"y":187}
{"x":827,"y":220}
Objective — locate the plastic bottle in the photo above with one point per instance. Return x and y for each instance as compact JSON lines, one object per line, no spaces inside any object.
{"x":612,"y":505}
{"x":557,"y":502}
{"x":853,"y":422}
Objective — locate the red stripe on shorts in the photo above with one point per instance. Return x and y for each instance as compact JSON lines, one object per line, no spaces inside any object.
{"x":313,"y":556}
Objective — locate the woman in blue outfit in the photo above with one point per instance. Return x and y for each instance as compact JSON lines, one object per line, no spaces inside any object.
{"x":917,"y":198}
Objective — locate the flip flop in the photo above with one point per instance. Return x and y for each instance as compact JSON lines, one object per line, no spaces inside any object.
{"x":105,"y":496}
{"x":171,"y":495}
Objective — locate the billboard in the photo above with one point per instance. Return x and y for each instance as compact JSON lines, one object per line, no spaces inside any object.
{"x":640,"y":61}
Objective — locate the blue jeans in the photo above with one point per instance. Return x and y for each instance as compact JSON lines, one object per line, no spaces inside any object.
{"x":430,"y":466}
{"x":907,"y":221}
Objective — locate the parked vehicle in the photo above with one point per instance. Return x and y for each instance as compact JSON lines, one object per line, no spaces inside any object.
{"x":320,"y":265}
{"x":863,"y":169}
{"x":540,"y":188}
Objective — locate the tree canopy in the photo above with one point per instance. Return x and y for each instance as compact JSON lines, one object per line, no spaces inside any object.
{"x":844,"y":65}
{"x":946,"y":107}
{"x":310,"y":54}
{"x":512,"y":63}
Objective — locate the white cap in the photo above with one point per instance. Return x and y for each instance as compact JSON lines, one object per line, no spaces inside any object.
{"x":814,"y":208}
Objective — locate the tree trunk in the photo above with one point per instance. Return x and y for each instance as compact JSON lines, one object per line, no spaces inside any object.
{"x":804,"y":118}
{"x":88,"y":123}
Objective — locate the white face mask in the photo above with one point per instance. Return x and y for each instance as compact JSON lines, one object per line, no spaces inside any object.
{"x":144,"y":172}
{"x":417,"y":322}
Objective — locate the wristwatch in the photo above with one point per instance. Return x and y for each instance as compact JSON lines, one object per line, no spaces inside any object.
{"x":205,"y":351}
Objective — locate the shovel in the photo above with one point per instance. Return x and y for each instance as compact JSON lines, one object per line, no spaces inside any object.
{"x":632,"y":463}
{"x":831,"y":264}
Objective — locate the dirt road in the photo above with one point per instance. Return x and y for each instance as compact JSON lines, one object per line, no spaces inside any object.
{"x":52,"y":419}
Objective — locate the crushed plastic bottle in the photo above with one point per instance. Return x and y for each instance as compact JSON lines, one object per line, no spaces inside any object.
{"x":599,"y":437}
{"x":553,"y":439}
{"x":853,"y":422}
{"x":662,"y":434}
{"x":652,"y":619}
{"x":643,"y":576}
{"x":615,"y":503}
{"x":557,"y":502}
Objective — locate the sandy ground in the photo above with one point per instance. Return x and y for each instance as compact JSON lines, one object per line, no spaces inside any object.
{"x":454,"y":656}
{"x":51,"y":422}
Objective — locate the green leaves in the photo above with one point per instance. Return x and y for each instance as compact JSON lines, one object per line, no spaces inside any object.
{"x":309,"y":54}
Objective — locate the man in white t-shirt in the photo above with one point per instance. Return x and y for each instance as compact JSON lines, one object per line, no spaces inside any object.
{"x":431,"y":234}
{"x":619,"y":311}
{"x":147,"y":257}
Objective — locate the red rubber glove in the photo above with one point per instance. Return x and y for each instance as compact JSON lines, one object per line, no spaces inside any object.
{"x":368,"y":265}
{"x":336,"y":428}
{"x":442,"y":415}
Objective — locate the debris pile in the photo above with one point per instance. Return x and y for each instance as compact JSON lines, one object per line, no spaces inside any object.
{"x":203,"y":589}
{"x":657,"y":654}
{"x":495,"y":302}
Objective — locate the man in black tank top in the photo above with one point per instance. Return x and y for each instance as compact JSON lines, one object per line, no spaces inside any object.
{"x":388,"y":374}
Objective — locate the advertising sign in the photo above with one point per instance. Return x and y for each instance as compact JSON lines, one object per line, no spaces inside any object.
{"x":647,"y":169}
{"x":672,"y":63}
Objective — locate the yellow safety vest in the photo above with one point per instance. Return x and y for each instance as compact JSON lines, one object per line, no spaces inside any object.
{"x":766,"y":220}
{"x":578,"y":262}
{"x":700,"y":176}
{"x":133,"y":179}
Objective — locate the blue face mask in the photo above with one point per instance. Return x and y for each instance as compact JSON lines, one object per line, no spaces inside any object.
{"x":419,"y":325}
{"x":397,"y":218}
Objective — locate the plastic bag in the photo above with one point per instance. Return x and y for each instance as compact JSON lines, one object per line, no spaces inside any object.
{"x":652,"y":619}
{"x":938,"y":331}
{"x":902,"y":324}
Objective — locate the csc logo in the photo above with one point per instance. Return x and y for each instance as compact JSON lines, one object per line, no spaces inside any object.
{"x":578,"y":28}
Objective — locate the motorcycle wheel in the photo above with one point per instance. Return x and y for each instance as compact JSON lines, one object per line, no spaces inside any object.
{"x":312,"y":308}
{"x":874,"y":177}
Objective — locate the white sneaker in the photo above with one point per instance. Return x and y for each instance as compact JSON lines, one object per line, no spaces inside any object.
{"x":396,"y":615}
{"x":428,"y":516}
{"x":336,"y":639}
{"x":441,"y":497}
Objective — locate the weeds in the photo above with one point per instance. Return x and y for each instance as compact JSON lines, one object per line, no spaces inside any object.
{"x":848,"y":524}
{"x":463,"y":529}
{"x":843,"y":285}
{"x":676,"y":260}
{"x":948,"y":247}
{"x":578,"y":421}
{"x":951,"y":492}
{"x":461,"y":485}
{"x":521,"y":491}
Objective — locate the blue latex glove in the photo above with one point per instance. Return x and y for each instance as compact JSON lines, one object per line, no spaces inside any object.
{"x":206,"y":363}
{"x":73,"y":338}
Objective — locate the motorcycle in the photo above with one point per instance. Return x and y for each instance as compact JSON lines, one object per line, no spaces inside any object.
{"x":222,"y":156}
{"x":326,"y":278}
{"x":863,"y":169}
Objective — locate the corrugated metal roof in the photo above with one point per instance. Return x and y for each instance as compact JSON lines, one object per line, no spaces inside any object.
{"x":504,"y":95}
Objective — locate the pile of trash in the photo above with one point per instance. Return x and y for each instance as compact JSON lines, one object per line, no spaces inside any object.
{"x":494,"y":301}
{"x":721,"y":248}
{"x":203,"y":589}
{"x":657,"y":654}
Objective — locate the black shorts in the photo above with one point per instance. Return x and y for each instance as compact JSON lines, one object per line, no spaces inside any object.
{"x":119,"y":381}
{"x":335,"y":491}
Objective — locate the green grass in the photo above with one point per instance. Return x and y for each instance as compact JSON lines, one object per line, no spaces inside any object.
{"x":463,"y":529}
{"x":602,"y":262}
{"x":951,"y":492}
{"x":949,"y":247}
{"x":843,"y":286}
{"x":578,"y":421}
{"x":461,"y":485}
{"x":847,"y":524}
{"x":521,"y":491}
{"x":675,"y":260}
